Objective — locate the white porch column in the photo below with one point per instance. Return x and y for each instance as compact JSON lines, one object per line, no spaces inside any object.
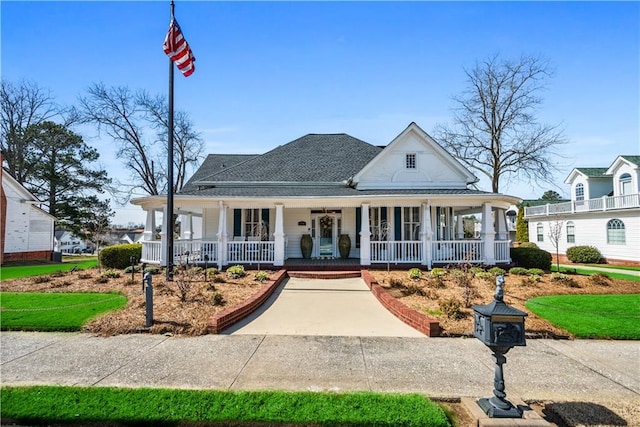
{"x":365,"y":237}
{"x":186,"y":226}
{"x":278,"y":235}
{"x":459,"y":227}
{"x":501,"y":220}
{"x":150,"y":226}
{"x":222,"y":235}
{"x":487,"y":234}
{"x":163,"y":236}
{"x":426,"y":235}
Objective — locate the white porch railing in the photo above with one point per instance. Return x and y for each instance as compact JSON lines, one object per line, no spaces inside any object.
{"x":151,"y":252}
{"x":250,"y":252}
{"x":457,"y":251}
{"x":396,"y":251}
{"x":502,"y":252}
{"x":627,"y":201}
{"x":184,"y":251}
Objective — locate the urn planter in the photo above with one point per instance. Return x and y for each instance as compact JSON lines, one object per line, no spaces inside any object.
{"x":306,"y":245}
{"x":344,"y":245}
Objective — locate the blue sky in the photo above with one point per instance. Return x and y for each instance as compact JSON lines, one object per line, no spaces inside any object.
{"x":270,"y":72}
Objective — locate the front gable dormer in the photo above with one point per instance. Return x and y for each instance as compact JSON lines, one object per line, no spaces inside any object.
{"x":413,"y":160}
{"x":625,"y":172}
{"x":588,"y":183}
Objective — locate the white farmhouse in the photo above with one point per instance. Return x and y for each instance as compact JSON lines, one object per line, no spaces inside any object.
{"x":26,"y":231}
{"x":604,"y":212}
{"x":399,"y":204}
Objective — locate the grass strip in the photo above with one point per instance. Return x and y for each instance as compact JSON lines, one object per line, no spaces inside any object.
{"x":166,"y":407}
{"x":614,"y":267}
{"x":592,"y":316}
{"x":588,"y":272}
{"x":20,"y":271}
{"x":37,"y":311}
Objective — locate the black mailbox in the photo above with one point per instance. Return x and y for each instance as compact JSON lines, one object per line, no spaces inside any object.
{"x":500,"y":327}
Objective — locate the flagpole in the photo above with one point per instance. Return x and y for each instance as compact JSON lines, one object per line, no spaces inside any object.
{"x":169,"y":220}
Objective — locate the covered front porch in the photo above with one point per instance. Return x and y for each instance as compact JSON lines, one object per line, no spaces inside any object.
{"x":381,"y":233}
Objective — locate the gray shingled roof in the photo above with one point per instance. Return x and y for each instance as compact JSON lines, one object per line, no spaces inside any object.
{"x":215,"y":163}
{"x":317,"y":191}
{"x":311,"y":158}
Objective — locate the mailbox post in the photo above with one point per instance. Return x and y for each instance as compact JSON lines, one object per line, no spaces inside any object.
{"x":500,"y":327}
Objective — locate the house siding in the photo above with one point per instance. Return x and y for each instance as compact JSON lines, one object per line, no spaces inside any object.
{"x":19,"y":237}
{"x":591,"y":230}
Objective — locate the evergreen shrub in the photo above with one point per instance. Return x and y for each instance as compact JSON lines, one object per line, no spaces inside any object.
{"x":119,"y":256}
{"x":531,"y":258}
{"x":584,"y":254}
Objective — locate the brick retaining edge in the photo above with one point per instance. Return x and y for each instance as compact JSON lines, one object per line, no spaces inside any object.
{"x":226,"y":318}
{"x":423,"y":323}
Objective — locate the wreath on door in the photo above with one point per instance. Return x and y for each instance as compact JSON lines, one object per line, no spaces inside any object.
{"x":326,"y":222}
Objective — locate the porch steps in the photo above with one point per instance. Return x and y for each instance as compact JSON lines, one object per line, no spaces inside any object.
{"x":305,"y":274}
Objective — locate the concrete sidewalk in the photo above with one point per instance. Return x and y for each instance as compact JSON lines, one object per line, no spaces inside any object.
{"x":438,"y":367}
{"x":602,"y":269}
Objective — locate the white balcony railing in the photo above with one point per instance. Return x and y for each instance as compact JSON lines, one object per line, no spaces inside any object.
{"x":396,"y":251}
{"x":184,"y":251}
{"x":628,"y":201}
{"x":151,"y":252}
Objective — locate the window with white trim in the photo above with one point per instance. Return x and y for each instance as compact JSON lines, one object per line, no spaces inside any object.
{"x":571,"y":232}
{"x":625,"y":184}
{"x":379,"y":226}
{"x":252,"y":222}
{"x":411,"y":223}
{"x":615,"y":232}
{"x":540,"y":232}
{"x":579,"y":192}
{"x":410,"y":161}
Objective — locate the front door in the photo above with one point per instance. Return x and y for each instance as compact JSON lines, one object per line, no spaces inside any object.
{"x":325,"y":235}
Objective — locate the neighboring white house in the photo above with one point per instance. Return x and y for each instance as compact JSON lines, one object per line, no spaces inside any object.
{"x":26,"y":232}
{"x":402,"y":203}
{"x":604,"y":212}
{"x":68,"y":243}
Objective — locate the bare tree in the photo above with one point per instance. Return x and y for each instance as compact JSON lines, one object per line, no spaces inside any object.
{"x":495,"y":131}
{"x":22,"y":105}
{"x":137,"y":122}
{"x":555,"y":234}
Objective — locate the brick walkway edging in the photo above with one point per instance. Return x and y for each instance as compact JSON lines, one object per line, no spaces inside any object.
{"x":226,"y":318}
{"x":423,"y":323}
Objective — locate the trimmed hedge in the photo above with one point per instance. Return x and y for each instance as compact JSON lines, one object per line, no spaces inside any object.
{"x":527,"y":245}
{"x":584,"y":254}
{"x":531,"y":258}
{"x":118,"y":256}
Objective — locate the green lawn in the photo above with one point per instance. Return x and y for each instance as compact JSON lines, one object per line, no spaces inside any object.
{"x":34,"y":405}
{"x":617,"y":267}
{"x":592,"y":316}
{"x":33,"y":311}
{"x":16,"y":272}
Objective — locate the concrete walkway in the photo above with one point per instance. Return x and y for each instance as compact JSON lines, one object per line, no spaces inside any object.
{"x":579,"y":370}
{"x":603,"y":269}
{"x":343,"y":307}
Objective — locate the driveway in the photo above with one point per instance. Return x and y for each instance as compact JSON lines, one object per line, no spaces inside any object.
{"x":335,"y":307}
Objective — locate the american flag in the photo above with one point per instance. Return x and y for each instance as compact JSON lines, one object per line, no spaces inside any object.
{"x":177,"y":48}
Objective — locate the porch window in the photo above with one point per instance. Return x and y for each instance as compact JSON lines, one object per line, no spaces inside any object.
{"x":615,"y":232}
{"x":378,"y":222}
{"x":410,"y":161}
{"x":571,"y":232}
{"x":411,"y":223}
{"x":540,"y":232}
{"x":579,"y":192}
{"x":254,"y":223}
